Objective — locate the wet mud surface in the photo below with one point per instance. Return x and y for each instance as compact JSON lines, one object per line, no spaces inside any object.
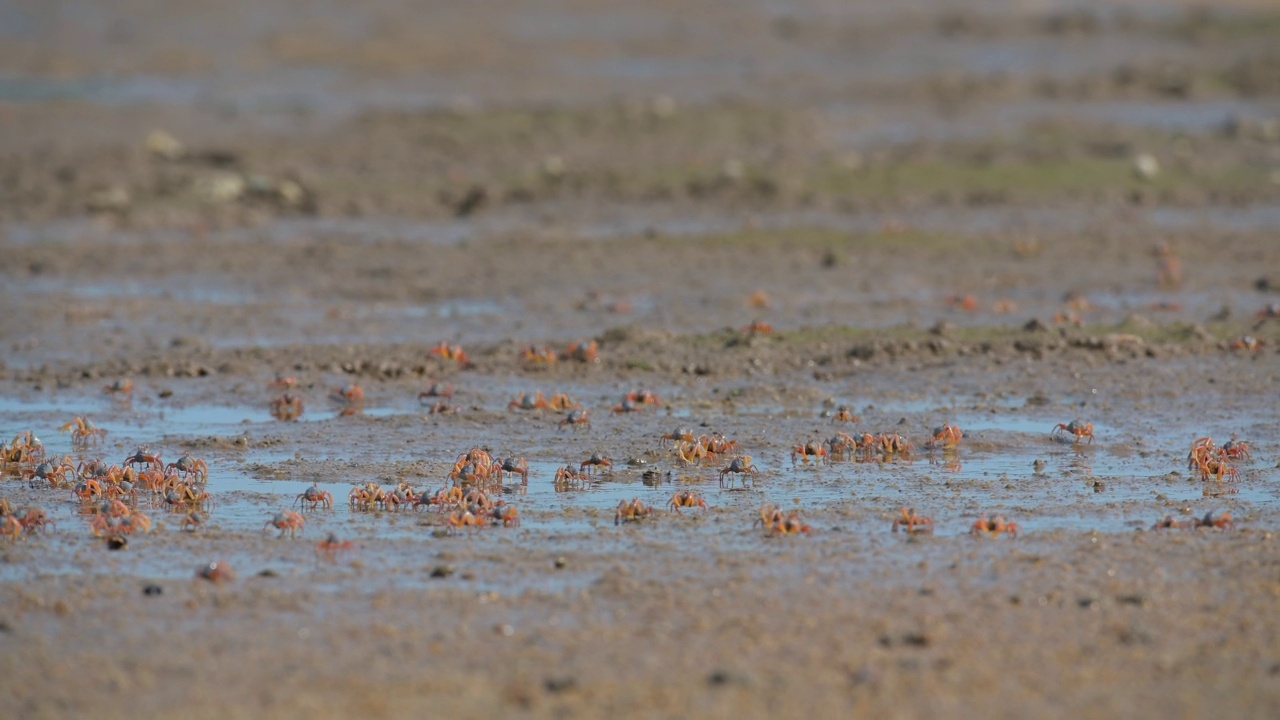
{"x":987,"y":217}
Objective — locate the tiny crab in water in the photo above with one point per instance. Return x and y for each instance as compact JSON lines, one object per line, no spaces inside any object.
{"x":993,"y":527}
{"x":738,"y":465}
{"x":331,"y":546}
{"x":287,"y":408}
{"x":351,"y":397}
{"x":627,"y":406}
{"x":577,"y":418}
{"x":583,"y":351}
{"x":947,"y":436}
{"x":52,"y":471}
{"x":1077,"y":428}
{"x":34,"y":520}
{"x":120,"y":387}
{"x":570,"y":477}
{"x":778,"y":523}
{"x":642,"y":397}
{"x":1236,"y":449}
{"x":633,"y":511}
{"x":812,"y":449}
{"x":514,"y":465}
{"x":504,"y":515}
{"x":596,"y":463}
{"x":445,"y":351}
{"x":287,"y":522}
{"x":844,"y":415}
{"x":437,"y":390}
{"x":526,"y":401}
{"x":314,"y":497}
{"x":83,"y":432}
{"x":677,"y":436}
{"x":144,"y":457}
{"x":215,"y":572}
{"x":190,"y":467}
{"x":913,"y":523}
{"x":687,"y":499}
{"x":465,"y":519}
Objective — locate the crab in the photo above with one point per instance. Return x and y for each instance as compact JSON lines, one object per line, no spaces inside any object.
{"x":34,"y":520}
{"x":587,"y":351}
{"x":331,"y":546}
{"x":1248,"y":343}
{"x":143,"y":457}
{"x":738,"y":465}
{"x":87,"y":489}
{"x":190,"y":467}
{"x":449,"y":497}
{"x":515,"y":465}
{"x":52,"y":471}
{"x":757,"y":327}
{"x":893,"y":444}
{"x":1268,"y":312}
{"x":947,"y":436}
{"x":790,"y":525}
{"x":569,"y":476}
{"x":627,"y":406}
{"x":717,"y":444}
{"x":215,"y":572}
{"x":287,"y":408}
{"x":505,"y":515}
{"x":844,"y":415}
{"x":692,"y":453}
{"x":993,"y":527}
{"x":283,"y":382}
{"x":1218,"y":468}
{"x":437,"y":390}
{"x":119,"y":387}
{"x":633,"y":511}
{"x":286,"y":522}
{"x":1222,"y":522}
{"x":186,"y":495}
{"x":465,"y":519}
{"x":351,"y":397}
{"x":562,"y":402}
{"x":914,"y":524}
{"x":682,"y":434}
{"x":526,"y":401}
{"x":315,"y":497}
{"x":686,"y":499}
{"x":967,"y":303}
{"x":445,"y":351}
{"x":810,"y":449}
{"x":535,"y":356}
{"x":83,"y":432}
{"x":194,"y":520}
{"x":596,"y":463}
{"x":577,"y":418}
{"x":842,"y":446}
{"x":10,"y":527}
{"x":1168,"y":523}
{"x":1077,"y":428}
{"x":643,"y":397}
{"x":1236,"y":449}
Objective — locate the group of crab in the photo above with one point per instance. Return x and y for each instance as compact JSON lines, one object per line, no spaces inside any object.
{"x":585,"y":351}
{"x":14,"y":523}
{"x":1217,"y":462}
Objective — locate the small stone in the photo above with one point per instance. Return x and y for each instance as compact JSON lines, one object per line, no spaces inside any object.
{"x":1145,"y":166}
{"x":152,"y":590}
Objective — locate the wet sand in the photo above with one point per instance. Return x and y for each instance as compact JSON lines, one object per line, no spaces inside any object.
{"x":991,"y":217}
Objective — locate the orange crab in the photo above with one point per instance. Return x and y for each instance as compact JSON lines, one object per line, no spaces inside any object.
{"x":596,"y":463}
{"x":283,"y":382}
{"x":514,"y":465}
{"x":1248,"y":343}
{"x":10,"y":527}
{"x":738,"y":465}
{"x":569,"y":477}
{"x":812,"y":449}
{"x":561,"y":402}
{"x":633,"y":511}
{"x":215,"y":572}
{"x":586,"y":351}
{"x":967,"y":303}
{"x":534,"y":356}
{"x":450,"y":497}
{"x":52,"y":471}
{"x":893,"y":445}
{"x":844,"y":415}
{"x":628,"y":406}
{"x":778,"y":523}
{"x":190,"y":467}
{"x":1077,"y":428}
{"x":143,"y":457}
{"x":526,"y":401}
{"x":83,"y":432}
{"x":504,"y":514}
{"x":687,"y":499}
{"x":314,"y":497}
{"x":445,"y":351}
{"x":194,"y":520}
{"x":1268,"y":312}
{"x":34,"y":520}
{"x":643,"y":397}
{"x":1236,"y":449}
{"x":1168,"y":523}
{"x":757,"y":327}
{"x":286,"y":521}
{"x":841,"y":446}
{"x":993,"y":527}
{"x":465,"y":519}
{"x":1222,"y":522}
{"x":351,"y":397}
{"x":681,"y":434}
{"x":914,"y":524}
{"x":947,"y":436}
{"x":119,"y":387}
{"x":329,"y":548}
{"x":577,"y":418}
{"x":437,"y":390}
{"x":287,"y":408}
